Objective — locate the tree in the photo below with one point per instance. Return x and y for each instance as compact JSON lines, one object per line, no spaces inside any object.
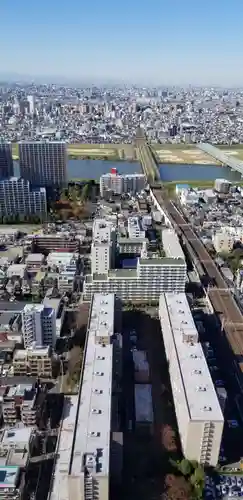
{"x":185,"y":467}
{"x":199,"y":475}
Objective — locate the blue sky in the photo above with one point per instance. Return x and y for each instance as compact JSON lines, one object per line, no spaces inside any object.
{"x":138,"y":41}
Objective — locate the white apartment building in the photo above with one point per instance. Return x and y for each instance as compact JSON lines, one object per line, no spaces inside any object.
{"x":35,"y":361}
{"x":134,"y":227}
{"x":18,"y":198}
{"x":38,"y":325}
{"x":199,"y":416}
{"x":89,"y":466}
{"x":102,"y":248}
{"x":153,"y":275}
{"x":119,"y":184}
{"x":224,"y":239}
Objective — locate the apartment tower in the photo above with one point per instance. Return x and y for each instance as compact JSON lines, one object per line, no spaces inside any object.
{"x":43,"y":163}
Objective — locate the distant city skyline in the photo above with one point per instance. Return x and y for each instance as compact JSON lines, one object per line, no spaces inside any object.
{"x":131,"y":42}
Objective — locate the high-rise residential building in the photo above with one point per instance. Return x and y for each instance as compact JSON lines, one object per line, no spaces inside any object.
{"x":199,"y":416}
{"x":102,"y":248}
{"x":43,"y":163}
{"x":31,"y":103}
{"x":155,"y":273}
{"x":38,"y":325}
{"x":6,"y":160}
{"x":17,"y":198}
{"x":119,"y":184}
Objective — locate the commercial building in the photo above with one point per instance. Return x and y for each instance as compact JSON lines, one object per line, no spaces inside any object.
{"x":89,"y":468}
{"x":119,"y":184}
{"x":199,"y":416}
{"x":38,"y":325}
{"x":36,"y":362}
{"x":6,"y":160}
{"x":18,"y":198}
{"x":154,"y":274}
{"x":43,"y":163}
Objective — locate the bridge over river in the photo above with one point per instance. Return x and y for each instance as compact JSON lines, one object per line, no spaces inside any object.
{"x":224,"y":158}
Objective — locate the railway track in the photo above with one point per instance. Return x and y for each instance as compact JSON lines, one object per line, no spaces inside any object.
{"x":223,"y":302}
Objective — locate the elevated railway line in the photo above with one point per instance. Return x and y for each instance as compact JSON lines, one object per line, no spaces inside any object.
{"x":146,"y":157}
{"x":223,"y":302}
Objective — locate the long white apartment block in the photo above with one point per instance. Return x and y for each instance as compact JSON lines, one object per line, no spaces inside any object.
{"x":199,"y":416}
{"x":153,"y":275}
{"x":89,"y":466}
{"x":119,"y":184}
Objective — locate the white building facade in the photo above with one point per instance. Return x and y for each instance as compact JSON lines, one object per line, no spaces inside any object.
{"x":38,"y":325}
{"x":152,"y":276}
{"x":199,"y":416}
{"x":119,"y":184}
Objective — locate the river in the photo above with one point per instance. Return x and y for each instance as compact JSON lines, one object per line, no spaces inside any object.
{"x":93,"y":169}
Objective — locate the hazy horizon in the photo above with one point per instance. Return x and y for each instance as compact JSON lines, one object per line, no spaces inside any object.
{"x":131,"y":42}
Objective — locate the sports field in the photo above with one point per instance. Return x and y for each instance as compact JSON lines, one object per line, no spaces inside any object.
{"x":183,"y":154}
{"x":235,"y":151}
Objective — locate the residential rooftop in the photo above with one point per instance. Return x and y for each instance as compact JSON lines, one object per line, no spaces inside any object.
{"x":171,"y":244}
{"x":200,"y":394}
{"x":91,"y":439}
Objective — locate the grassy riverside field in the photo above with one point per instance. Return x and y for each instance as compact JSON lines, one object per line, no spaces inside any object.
{"x":113,"y":152}
{"x":187,"y":154}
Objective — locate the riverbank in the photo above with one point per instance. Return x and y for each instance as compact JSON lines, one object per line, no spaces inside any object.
{"x":199,"y":184}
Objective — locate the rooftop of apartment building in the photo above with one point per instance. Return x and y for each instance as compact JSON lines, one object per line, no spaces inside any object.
{"x":34,"y":258}
{"x":92,"y":433}
{"x":26,"y":392}
{"x":54,"y":303}
{"x":199,"y":390}
{"x":171,"y":244}
{"x":61,"y":257}
{"x":124,"y":176}
{"x":135,"y":227}
{"x":35,"y":308}
{"x":59,"y":485}
{"x":35,"y":351}
{"x":101,"y":231}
